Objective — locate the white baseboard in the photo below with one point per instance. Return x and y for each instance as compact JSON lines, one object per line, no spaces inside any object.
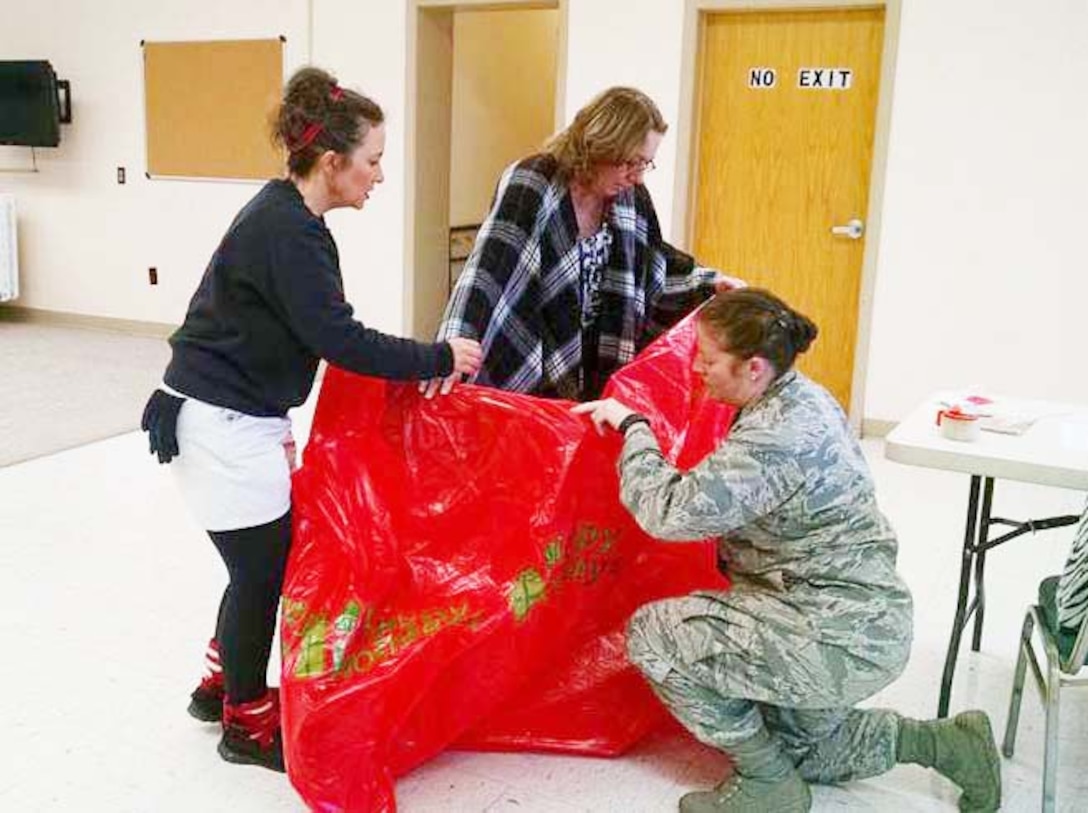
{"x":41,"y":316}
{"x":876,"y":428}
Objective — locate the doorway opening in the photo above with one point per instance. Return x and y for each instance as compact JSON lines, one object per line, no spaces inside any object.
{"x":484,"y":91}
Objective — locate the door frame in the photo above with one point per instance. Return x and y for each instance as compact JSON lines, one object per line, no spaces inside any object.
{"x":683,"y":221}
{"x":426,"y":145}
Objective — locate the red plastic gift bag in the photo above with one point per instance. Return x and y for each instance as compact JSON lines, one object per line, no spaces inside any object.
{"x":462,"y":572}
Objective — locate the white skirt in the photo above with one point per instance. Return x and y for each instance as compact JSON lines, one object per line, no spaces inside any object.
{"x":234,"y":470}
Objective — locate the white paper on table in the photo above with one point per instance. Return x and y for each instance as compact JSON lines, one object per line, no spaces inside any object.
{"x":996,"y":415}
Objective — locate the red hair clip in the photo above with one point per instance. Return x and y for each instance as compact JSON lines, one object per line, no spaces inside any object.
{"x":336,"y":93}
{"x":311,"y":132}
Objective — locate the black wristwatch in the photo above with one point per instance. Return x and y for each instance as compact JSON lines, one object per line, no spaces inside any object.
{"x":630,"y":421}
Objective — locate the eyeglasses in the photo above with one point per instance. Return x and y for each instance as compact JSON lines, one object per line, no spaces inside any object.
{"x":637,"y":165}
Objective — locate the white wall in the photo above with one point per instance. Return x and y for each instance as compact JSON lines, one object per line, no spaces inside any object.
{"x":981,"y":273}
{"x":982,"y":266}
{"x":86,"y":242}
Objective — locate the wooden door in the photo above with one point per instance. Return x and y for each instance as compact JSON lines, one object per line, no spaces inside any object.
{"x":786,"y":116}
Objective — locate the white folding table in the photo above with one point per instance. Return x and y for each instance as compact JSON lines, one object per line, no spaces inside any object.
{"x":1053,"y":451}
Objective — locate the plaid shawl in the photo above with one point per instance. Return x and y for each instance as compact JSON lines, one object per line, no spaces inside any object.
{"x":518,"y":294}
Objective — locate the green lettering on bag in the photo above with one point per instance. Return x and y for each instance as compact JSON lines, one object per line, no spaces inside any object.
{"x":528,"y":588}
{"x":553,"y":552}
{"x":359,"y":640}
{"x":311,"y":660}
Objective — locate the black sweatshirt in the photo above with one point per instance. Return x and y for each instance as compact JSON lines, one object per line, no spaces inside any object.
{"x":270,"y":306}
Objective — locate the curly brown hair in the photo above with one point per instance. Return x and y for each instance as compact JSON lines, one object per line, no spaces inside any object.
{"x":316,"y":115}
{"x":608,"y":130}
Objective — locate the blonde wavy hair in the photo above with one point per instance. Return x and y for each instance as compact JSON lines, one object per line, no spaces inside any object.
{"x":608,"y":130}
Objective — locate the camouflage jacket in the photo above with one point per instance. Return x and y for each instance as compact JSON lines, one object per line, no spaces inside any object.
{"x":792,"y":501}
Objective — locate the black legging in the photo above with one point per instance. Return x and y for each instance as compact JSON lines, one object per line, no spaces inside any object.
{"x":256,"y":559}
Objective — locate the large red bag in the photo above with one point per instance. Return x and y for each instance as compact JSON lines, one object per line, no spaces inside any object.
{"x":462,"y":571}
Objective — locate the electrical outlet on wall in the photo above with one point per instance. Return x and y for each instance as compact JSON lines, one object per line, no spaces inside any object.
{"x":153,"y":275}
{"x":120,"y":175}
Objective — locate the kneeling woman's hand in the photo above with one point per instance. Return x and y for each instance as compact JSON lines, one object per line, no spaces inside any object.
{"x":608,"y":411}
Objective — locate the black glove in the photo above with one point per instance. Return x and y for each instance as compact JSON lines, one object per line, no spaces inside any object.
{"x":160,"y":421}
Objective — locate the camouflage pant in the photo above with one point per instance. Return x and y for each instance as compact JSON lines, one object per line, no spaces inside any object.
{"x":724,"y":679}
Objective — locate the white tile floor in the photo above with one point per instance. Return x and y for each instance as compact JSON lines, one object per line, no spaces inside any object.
{"x":108,"y":591}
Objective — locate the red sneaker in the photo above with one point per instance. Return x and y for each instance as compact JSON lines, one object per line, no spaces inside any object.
{"x":251,"y":732}
{"x":206,"y":701}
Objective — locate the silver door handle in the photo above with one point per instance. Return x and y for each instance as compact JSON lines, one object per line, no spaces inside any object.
{"x":852,"y":229}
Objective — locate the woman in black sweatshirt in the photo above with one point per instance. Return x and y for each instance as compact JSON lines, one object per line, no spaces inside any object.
{"x":269,"y":307}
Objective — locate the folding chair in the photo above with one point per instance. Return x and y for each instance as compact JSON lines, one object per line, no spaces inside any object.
{"x":1065,"y":653}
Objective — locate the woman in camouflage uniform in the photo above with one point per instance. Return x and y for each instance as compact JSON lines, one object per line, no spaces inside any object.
{"x":817,"y":618}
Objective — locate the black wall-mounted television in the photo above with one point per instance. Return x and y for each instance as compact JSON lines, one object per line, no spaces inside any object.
{"x":30,"y":104}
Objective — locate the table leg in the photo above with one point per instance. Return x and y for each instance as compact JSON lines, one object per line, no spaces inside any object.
{"x":960,"y":619}
{"x":980,"y":561}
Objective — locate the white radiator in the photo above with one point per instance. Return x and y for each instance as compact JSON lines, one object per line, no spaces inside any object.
{"x":9,"y":250}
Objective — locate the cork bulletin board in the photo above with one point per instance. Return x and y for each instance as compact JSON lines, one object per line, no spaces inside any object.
{"x":207,"y":107}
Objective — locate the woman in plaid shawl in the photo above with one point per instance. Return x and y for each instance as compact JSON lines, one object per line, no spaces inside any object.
{"x":570,"y":277}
